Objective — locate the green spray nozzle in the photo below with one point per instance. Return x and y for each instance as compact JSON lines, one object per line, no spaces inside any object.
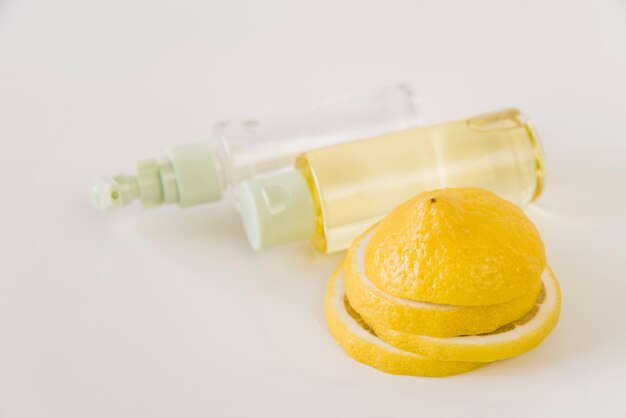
{"x":113,"y":192}
{"x":188,"y":175}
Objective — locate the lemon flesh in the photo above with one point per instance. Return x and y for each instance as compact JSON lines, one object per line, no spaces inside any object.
{"x":363,"y":345}
{"x":464,"y":247}
{"x":384,"y":311}
{"x":507,"y":341}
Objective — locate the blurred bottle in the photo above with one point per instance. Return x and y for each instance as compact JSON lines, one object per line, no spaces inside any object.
{"x":201,"y":172}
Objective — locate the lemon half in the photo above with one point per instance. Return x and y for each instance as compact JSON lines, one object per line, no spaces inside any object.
{"x":465,"y":247}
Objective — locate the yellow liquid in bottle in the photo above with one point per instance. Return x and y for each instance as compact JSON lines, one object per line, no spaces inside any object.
{"x":355,"y":185}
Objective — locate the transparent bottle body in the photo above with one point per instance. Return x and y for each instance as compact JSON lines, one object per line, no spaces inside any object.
{"x":267,"y":143}
{"x":354,"y":185}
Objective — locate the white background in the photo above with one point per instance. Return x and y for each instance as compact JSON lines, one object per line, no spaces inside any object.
{"x":167,"y":313}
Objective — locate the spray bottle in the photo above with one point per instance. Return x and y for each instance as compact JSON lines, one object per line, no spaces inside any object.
{"x":201,"y":172}
{"x":334,"y":194}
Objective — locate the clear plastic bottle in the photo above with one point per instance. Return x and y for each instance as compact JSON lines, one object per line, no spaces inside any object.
{"x":336,"y":193}
{"x":201,"y":172}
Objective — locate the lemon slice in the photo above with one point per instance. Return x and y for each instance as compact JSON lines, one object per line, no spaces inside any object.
{"x":507,"y":341}
{"x":386,"y":311}
{"x":362,"y":344}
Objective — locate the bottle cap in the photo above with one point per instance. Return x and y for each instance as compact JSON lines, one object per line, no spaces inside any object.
{"x":277,"y":209}
{"x":187,"y":175}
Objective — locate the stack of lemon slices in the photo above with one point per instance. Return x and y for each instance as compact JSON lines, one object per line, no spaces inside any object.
{"x":447,"y":282}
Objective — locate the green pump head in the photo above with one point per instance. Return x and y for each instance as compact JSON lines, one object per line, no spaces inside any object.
{"x":188,"y":175}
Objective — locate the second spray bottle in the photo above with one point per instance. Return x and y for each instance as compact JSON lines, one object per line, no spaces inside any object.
{"x":334,"y":194}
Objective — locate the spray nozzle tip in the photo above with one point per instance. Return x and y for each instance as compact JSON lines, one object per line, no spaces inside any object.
{"x":111,"y":192}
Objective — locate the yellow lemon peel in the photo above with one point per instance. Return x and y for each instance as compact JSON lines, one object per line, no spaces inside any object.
{"x":463,"y":247}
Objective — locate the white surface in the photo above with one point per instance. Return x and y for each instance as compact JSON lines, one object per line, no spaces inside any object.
{"x":167,"y":313}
